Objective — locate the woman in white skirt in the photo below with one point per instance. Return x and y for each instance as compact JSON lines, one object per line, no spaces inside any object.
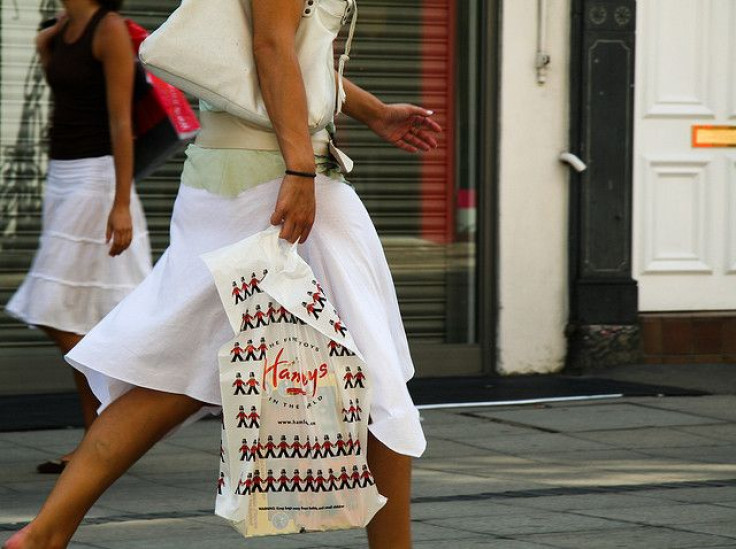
{"x":94,"y":246}
{"x":166,"y":334}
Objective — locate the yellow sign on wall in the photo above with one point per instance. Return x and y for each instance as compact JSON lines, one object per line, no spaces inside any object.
{"x":714,"y":136}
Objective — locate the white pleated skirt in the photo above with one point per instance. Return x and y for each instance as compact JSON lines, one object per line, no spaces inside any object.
{"x":166,"y":334}
{"x":73,"y":282}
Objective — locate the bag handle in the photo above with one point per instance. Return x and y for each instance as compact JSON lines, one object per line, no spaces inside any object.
{"x":345,"y":57}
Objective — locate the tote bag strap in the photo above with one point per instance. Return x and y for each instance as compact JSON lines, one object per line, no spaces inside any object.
{"x":345,"y":57}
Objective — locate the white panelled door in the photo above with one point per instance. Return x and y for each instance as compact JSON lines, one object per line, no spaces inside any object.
{"x":684,"y":197}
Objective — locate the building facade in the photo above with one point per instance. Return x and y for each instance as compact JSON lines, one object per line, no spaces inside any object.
{"x":506,"y":259}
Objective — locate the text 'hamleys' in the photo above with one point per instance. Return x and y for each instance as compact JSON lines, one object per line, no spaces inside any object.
{"x":304,"y":382}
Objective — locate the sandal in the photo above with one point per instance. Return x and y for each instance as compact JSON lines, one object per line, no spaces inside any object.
{"x":52,"y":467}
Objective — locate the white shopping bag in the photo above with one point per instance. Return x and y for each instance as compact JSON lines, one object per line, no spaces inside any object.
{"x":295,"y":398}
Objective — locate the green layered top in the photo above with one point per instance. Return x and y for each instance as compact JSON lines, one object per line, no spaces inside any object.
{"x":229,"y":157}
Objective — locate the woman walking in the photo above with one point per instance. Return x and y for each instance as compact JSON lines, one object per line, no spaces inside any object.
{"x":94,"y":245}
{"x":167,"y":332}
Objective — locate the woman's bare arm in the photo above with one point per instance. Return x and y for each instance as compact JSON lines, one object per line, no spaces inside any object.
{"x":275,"y":23}
{"x":408,"y":127}
{"x":113,"y":48}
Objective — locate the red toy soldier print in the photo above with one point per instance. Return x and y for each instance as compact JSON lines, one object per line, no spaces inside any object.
{"x":312,"y":310}
{"x":250,"y":351}
{"x":319,"y":482}
{"x":283,"y":447}
{"x":256,"y":487}
{"x":221,"y":483}
{"x":252,"y":384}
{"x":255,"y":450}
{"x":296,"y":447}
{"x":247,"y":484}
{"x":222,"y":454}
{"x":340,"y":445}
{"x":350,"y":412}
{"x":270,"y":448}
{"x":247,"y":321}
{"x":239,"y":384}
{"x":331,"y":480}
{"x":236,"y":293}
{"x":309,"y":481}
{"x":283,"y":314}
{"x":307,"y":447}
{"x":262,"y":348}
{"x":244,"y":287}
{"x":244,"y":451}
{"x":271,"y":312}
{"x":241,"y":484}
{"x":283,"y":482}
{"x":346,"y":352}
{"x":355,"y":477}
{"x":241,"y":417}
{"x":344,"y":478}
{"x":348,"y":378}
{"x":254,"y":283}
{"x":254,"y":417}
{"x":270,"y":481}
{"x":345,"y":414}
{"x":260,"y":317}
{"x":316,"y":449}
{"x":359,"y":378}
{"x":356,"y":411}
{"x":334,"y":346}
{"x":366,"y":478}
{"x":327,"y":447}
{"x":350,"y":444}
{"x":296,"y":481}
{"x":237,"y":352}
{"x":318,"y":287}
{"x":356,"y":447}
{"x":339,"y":327}
{"x":317,"y":297}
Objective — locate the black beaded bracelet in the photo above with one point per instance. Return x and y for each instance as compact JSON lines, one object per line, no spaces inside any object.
{"x":301,"y":174}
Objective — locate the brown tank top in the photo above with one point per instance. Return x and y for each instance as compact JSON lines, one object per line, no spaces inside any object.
{"x":79,"y":125}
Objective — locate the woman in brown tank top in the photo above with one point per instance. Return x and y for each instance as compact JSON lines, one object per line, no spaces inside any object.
{"x":91,"y":214}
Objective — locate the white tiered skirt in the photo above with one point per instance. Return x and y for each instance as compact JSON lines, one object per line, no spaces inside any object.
{"x":73,"y":282}
{"x":166,"y":334}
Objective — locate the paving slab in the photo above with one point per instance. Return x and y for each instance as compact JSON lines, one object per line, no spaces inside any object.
{"x":659,"y":437}
{"x":714,"y":406}
{"x":598,"y":417}
{"x":641,"y":537}
{"x":666,"y":514}
{"x":530,"y":522}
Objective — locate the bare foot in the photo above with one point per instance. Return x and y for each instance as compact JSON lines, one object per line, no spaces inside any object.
{"x":26,"y":538}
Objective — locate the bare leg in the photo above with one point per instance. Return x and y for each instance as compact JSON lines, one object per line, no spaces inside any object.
{"x":66,"y":341}
{"x":117,"y":439}
{"x":391,"y":526}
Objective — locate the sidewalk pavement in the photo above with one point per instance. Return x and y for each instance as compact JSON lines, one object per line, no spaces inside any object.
{"x":648,"y":472}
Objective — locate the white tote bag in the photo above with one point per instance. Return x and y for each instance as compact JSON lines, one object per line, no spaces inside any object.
{"x":205,"y":48}
{"x":295,"y":398}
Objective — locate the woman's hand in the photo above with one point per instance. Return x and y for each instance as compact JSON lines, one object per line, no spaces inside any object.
{"x":406,"y":126}
{"x":119,"y":229}
{"x":295,"y":208}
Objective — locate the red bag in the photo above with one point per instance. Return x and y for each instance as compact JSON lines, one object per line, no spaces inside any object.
{"x":163,"y":121}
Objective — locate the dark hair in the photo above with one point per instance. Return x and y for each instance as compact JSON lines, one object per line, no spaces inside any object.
{"x":112,"y":5}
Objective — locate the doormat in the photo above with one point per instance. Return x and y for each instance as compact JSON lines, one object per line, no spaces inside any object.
{"x":516,"y":390}
{"x":58,"y":411}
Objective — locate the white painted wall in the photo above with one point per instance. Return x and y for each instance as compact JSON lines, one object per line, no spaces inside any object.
{"x":533,"y":201}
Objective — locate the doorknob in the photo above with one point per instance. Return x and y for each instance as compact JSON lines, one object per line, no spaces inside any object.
{"x":574,"y":161}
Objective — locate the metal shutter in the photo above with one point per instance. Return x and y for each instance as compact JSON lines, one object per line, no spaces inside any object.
{"x":403,"y":53}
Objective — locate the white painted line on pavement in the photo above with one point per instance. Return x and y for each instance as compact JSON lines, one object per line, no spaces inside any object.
{"x":515,"y":402}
